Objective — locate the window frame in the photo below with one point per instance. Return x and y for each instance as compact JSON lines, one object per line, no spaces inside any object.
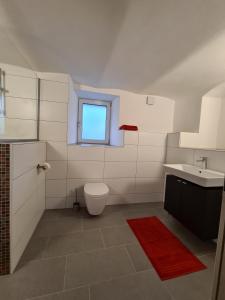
{"x":80,"y":121}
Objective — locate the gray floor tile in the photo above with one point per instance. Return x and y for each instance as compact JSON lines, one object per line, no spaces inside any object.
{"x":144,"y":286}
{"x":73,"y":243}
{"x":56,"y":214}
{"x":60,"y":232}
{"x":118,"y":235}
{"x":33,"y":278}
{"x":195,"y":286}
{"x":75,"y":294}
{"x":139,"y":258}
{"x":96,"y":266}
{"x":107,"y":219}
{"x":35,"y":249}
{"x":191,"y":241}
{"x":139,"y":212}
{"x":58,"y":227}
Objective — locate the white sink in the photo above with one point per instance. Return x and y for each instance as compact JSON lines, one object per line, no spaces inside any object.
{"x":206,"y":178}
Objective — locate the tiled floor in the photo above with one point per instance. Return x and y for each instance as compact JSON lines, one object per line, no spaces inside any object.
{"x":73,"y":256}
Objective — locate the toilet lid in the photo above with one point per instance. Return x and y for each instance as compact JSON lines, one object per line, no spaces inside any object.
{"x":96,"y":189}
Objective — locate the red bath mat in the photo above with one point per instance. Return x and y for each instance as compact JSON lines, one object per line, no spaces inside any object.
{"x":167,"y":254}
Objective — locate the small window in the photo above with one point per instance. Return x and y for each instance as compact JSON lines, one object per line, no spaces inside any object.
{"x":94,"y":121}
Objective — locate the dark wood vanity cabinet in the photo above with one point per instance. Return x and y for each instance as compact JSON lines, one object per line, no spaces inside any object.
{"x":197,"y":207}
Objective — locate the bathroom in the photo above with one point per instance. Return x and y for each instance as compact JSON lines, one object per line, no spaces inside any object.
{"x":70,"y":195}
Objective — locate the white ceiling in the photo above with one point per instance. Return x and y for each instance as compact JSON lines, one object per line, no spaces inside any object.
{"x":174,"y":48}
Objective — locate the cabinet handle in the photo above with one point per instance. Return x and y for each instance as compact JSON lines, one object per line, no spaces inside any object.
{"x":184,"y":182}
{"x":179,"y":180}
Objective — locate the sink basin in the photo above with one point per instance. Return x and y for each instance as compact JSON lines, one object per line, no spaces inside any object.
{"x":206,"y":178}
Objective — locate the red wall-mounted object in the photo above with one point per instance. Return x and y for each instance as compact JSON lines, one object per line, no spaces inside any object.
{"x":128,"y":127}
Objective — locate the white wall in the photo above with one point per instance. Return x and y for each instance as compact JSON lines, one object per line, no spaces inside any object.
{"x":133,"y":172}
{"x":134,"y":110}
{"x":27,"y":197}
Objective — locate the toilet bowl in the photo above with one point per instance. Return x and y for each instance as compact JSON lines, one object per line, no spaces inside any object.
{"x":95,"y":195}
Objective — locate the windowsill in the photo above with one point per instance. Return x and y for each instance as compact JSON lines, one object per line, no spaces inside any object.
{"x":98,"y":145}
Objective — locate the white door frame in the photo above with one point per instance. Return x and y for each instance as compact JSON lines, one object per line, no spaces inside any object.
{"x":218,"y":292}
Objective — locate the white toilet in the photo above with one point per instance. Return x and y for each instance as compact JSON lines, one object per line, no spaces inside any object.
{"x":95,"y":195}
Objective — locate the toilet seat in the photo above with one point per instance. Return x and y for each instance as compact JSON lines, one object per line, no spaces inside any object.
{"x":96,"y":189}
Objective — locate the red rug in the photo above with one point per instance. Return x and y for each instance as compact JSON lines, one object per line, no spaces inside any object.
{"x":167,"y":254}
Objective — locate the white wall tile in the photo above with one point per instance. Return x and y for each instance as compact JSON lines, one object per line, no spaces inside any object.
{"x":87,"y":153}
{"x":19,"y":71}
{"x":134,"y":198}
{"x":21,"y":87}
{"x":85,"y":169}
{"x":21,"y":108}
{"x":18,"y":128}
{"x":131,"y":137}
{"x":216,"y":159}
{"x":120,"y":169}
{"x":53,"y":111}
{"x":58,"y":170}
{"x":76,"y":186}
{"x":173,"y":139}
{"x":23,"y":187}
{"x":142,"y":198}
{"x":117,"y":199}
{"x":53,"y":131}
{"x":121,"y":185}
{"x":54,"y":91}
{"x":56,"y":188}
{"x":26,"y":156}
{"x":179,"y":155}
{"x":56,"y":151}
{"x":149,"y":169}
{"x":126,"y":153}
{"x":28,"y":194}
{"x":55,"y":202}
{"x":149,"y":185}
{"x":152,"y":139}
{"x":151,"y":153}
{"x":61,"y":77}
{"x":21,"y":220}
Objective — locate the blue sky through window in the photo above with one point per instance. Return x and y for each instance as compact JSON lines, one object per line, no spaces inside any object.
{"x":94,"y":122}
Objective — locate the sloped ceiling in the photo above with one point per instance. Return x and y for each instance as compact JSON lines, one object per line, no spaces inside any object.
{"x":174,"y":48}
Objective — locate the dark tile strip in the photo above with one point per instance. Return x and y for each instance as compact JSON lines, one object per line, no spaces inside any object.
{"x":4,"y":209}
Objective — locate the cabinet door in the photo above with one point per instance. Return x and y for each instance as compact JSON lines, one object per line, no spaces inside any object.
{"x":173,"y":195}
{"x":193,"y":206}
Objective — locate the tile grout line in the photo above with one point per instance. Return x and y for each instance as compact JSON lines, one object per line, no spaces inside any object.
{"x":59,"y":292}
{"x":168,"y":291}
{"x":65,"y":269}
{"x":81,"y":252}
{"x":89,"y":292}
{"x":102,"y":237}
{"x":90,"y":284}
{"x":130,"y":259}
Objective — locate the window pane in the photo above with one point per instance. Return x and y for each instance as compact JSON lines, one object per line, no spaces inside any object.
{"x":94,"y":122}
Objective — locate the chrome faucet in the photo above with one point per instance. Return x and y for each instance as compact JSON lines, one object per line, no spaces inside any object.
{"x":204,"y":161}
